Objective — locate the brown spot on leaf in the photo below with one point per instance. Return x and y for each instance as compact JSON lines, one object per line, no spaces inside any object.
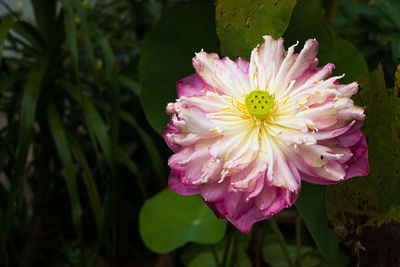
{"x":248,"y":20}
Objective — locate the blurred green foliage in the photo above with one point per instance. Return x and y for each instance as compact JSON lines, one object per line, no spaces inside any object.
{"x":373,"y":26}
{"x":170,"y":44}
{"x":185,"y":219}
{"x":75,"y":146}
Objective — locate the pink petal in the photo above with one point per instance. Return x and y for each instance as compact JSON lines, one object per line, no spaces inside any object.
{"x":304,"y":60}
{"x":175,"y":184}
{"x":214,"y":192}
{"x":333,"y":170}
{"x":246,"y":222}
{"x":196,"y":120}
{"x":348,"y":89}
{"x":194,"y":170}
{"x":283,"y":199}
{"x":314,"y":155}
{"x":265,"y":198}
{"x":316,"y":180}
{"x":323,"y":135}
{"x":224,"y":75}
{"x":167,"y":134}
{"x":313,"y":75}
{"x":323,"y":117}
{"x":235,"y":205}
{"x":243,"y":65}
{"x":191,"y":85}
{"x":265,"y":62}
{"x":358,"y":164}
{"x":350,"y":138}
{"x":281,"y":172}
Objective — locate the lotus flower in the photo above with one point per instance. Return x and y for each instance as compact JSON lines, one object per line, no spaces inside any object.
{"x":245,"y":133}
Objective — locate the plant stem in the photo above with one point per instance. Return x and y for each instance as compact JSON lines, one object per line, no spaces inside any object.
{"x":217,"y":263}
{"x":298,"y":240}
{"x":256,"y":244}
{"x":331,"y":8}
{"x":227,"y":248}
{"x":281,"y":239}
{"x":235,"y":252}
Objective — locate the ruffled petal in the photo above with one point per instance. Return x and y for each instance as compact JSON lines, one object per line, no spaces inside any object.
{"x":222,"y":74}
{"x":321,"y":117}
{"x":243,"y":65}
{"x":265,"y":62}
{"x":214,"y":192}
{"x":246,"y":222}
{"x":196,"y":120}
{"x":175,"y":184}
{"x":281,"y":172}
{"x":304,"y":60}
{"x":168,"y":133}
{"x":358,"y":164}
{"x":314,"y":75}
{"x":293,"y":66}
{"x":266,"y":197}
{"x":244,"y":213}
{"x":191,"y":85}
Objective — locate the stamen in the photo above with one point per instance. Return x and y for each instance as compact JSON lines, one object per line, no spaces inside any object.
{"x":311,"y":127}
{"x":303,"y":106}
{"x":284,"y":102}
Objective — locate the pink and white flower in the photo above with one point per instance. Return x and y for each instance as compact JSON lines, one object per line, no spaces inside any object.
{"x":245,"y":133}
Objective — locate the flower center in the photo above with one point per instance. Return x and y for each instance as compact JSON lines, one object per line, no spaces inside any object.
{"x":259,"y":104}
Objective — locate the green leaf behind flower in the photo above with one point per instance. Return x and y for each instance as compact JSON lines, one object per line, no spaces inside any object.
{"x":241,"y":24}
{"x":206,"y":259}
{"x":349,"y":61}
{"x":168,"y":220}
{"x":307,"y":22}
{"x":311,"y":206}
{"x":167,"y":53}
{"x":374,"y":199}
